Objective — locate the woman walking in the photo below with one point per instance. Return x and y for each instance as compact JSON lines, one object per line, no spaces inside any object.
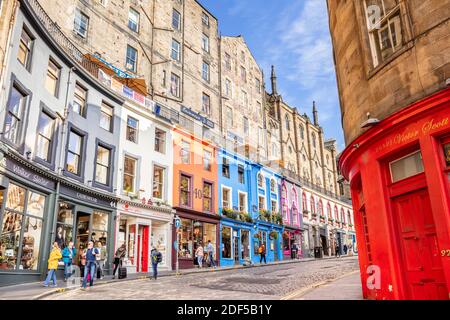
{"x":199,"y":253}
{"x":68,"y":254}
{"x":118,"y":258}
{"x":55,"y":256}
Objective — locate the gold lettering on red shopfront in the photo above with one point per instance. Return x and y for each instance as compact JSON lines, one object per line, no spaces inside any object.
{"x":432,"y":125}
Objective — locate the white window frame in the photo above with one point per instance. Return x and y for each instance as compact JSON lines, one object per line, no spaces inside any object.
{"x":230,"y":197}
{"x":246,"y":201}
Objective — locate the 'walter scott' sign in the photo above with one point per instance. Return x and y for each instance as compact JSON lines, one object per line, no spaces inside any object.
{"x":18,"y":169}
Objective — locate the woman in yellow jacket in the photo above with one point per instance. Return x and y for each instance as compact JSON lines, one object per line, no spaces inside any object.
{"x":55,"y":256}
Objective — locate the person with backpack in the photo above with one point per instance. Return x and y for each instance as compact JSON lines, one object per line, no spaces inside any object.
{"x":55,"y":256}
{"x":118,"y":258}
{"x":68,"y":254}
{"x":101,"y":260}
{"x":91,"y":264}
{"x":262,"y":252}
{"x":156,"y":257}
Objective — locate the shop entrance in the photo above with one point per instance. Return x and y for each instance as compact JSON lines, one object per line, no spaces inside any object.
{"x":236,"y":250}
{"x":323,"y":240}
{"x":416,"y":233}
{"x":142,"y":249}
{"x":82,"y":232}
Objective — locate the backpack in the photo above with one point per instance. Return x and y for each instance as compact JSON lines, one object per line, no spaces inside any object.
{"x":159,"y":257}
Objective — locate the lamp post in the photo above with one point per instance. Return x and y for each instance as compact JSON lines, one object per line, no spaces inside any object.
{"x":177,"y":247}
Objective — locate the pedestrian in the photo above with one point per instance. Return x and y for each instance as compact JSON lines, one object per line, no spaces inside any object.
{"x":68,"y":255}
{"x":156,"y":258}
{"x":82,"y":260}
{"x":210,"y":252}
{"x":199,"y":253}
{"x":294,"y":251}
{"x":262,"y":252}
{"x":345,"y":249}
{"x":350,"y":247}
{"x":91,"y":254}
{"x":118,"y":258}
{"x":338,"y":251}
{"x":101,"y":260}
{"x":55,"y":256}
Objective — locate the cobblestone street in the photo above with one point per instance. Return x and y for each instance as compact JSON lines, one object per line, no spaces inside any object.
{"x":271,"y":282}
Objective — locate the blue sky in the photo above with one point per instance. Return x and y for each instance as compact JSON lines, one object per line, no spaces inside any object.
{"x":294,"y":36}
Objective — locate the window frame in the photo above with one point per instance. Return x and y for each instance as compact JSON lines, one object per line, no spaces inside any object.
{"x":110,"y":177}
{"x":189,"y":191}
{"x":128,"y":58}
{"x":246,"y":201}
{"x":135,"y":174}
{"x":54,"y":141}
{"x":138,"y":22}
{"x":79,"y":13}
{"x":136,"y":129}
{"x":211,"y":184}
{"x":81,"y":166}
{"x":29,"y":47}
{"x":176,"y":50}
{"x":164,"y":140}
{"x":174,"y":14}
{"x":230,"y":197}
{"x":51,"y":60}
{"x":164,"y":181}
{"x":111,"y":120}
{"x":206,"y":72}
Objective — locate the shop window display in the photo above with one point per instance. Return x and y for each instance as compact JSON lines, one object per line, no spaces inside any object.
{"x":21,"y":229}
{"x":226,"y":242}
{"x":100,"y":227}
{"x":192,"y":233}
{"x":64,"y":224}
{"x":245,"y":244}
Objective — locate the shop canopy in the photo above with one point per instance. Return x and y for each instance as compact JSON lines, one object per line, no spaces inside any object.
{"x":135,"y":84}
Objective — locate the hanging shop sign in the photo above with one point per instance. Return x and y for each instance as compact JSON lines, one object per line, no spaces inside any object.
{"x":197,"y":116}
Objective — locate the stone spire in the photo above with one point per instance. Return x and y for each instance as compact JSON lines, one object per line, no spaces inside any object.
{"x":273,"y":78}
{"x":315,"y":114}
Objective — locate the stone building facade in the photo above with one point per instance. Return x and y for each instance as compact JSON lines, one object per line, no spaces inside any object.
{"x":392,"y":61}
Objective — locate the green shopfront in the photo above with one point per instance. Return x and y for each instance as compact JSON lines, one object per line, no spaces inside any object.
{"x":36,"y":209}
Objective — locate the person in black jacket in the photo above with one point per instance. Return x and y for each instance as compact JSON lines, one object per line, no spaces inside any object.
{"x":118,"y":258}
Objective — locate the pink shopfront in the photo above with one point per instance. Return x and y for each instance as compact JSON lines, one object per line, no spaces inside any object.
{"x":292,"y":219}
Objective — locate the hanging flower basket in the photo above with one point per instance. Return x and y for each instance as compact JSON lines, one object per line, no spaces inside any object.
{"x":273,"y":235}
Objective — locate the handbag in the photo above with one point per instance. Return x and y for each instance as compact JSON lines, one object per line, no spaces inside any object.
{"x":60,"y":263}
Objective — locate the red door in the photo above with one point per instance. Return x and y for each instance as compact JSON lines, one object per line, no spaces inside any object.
{"x":145,"y":236}
{"x":139,"y":255}
{"x":416,"y":231}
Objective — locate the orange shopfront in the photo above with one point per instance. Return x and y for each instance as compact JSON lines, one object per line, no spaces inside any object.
{"x":399,"y":172}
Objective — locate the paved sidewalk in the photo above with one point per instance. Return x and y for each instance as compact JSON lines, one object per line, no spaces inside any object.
{"x":35,"y":290}
{"x":344,"y":288}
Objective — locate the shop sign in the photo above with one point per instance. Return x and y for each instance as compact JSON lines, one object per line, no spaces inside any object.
{"x":85,"y":197}
{"x":25,"y":173}
{"x":197,"y":116}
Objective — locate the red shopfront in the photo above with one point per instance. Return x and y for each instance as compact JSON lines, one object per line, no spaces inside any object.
{"x":399,"y":173}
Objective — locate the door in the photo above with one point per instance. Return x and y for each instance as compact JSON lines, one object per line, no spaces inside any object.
{"x":416,"y":232}
{"x":145,"y":242}
{"x":139,"y":255}
{"x":82,"y":233}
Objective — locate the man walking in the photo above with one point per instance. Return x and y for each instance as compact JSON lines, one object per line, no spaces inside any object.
{"x":90,"y":267}
{"x":156,"y":258}
{"x":338,"y":251}
{"x":262,"y":252}
{"x":210,"y":251}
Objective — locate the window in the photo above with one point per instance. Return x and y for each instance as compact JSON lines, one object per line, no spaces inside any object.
{"x":158,"y":182}
{"x":131,"y":59}
{"x":207,"y":197}
{"x":349,"y":217}
{"x":241,"y":174}
{"x":207,"y":160}
{"x":304,"y":204}
{"x":329,"y":214}
{"x":46,"y":127}
{"x":106,"y":117}
{"x":133,"y":20}
{"x":205,"y":19}
{"x":243,"y":74}
{"x":229,"y":116}
{"x":185,"y":191}
{"x":25,"y":47}
{"x":103,"y":2}
{"x":302,"y":132}
{"x":185,"y":152}
{"x":244,"y":99}
{"x":226,"y":198}
{"x":258,"y":85}
{"x":225,"y":168}
{"x":385,"y":33}
{"x":129,"y":174}
{"x":176,"y":20}
{"x":64,"y":225}
{"x":175,"y":85}
{"x":176,"y":52}
{"x":242,"y":202}
{"x":294,"y":215}
{"x":14,"y":120}
{"x":227,"y":243}
{"x":407,"y":166}
{"x":312,"y":204}
{"x":228,"y":88}
{"x":132,"y":129}
{"x":227,"y":61}
{"x":274,"y":206}
{"x":79,"y":101}
{"x":81,"y":23}
{"x":74,"y":156}
{"x":206,"y":104}
{"x":205,"y":71}
{"x":287,"y":122}
{"x":342,"y":215}
{"x":313,"y":136}
{"x":273,"y":185}
{"x":242,"y":56}
{"x":205,"y":42}
{"x":261,"y":203}
{"x":320,"y":208}
{"x":246,"y":126}
{"x":336,"y":215}
{"x":52,"y":79}
{"x":102,"y":165}
{"x":160,"y":141}
{"x":260,"y":180}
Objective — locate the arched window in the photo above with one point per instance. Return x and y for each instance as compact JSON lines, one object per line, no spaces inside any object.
{"x":304,"y":204}
{"x":313,"y":205}
{"x":294,"y":214}
{"x":329,"y":214}
{"x":302,"y":132}
{"x":320,"y":207}
{"x":287,"y":122}
{"x":313,"y":138}
{"x":349,"y":217}
{"x":342,"y":215}
{"x":294,"y":196}
{"x":336,"y":214}
{"x":273,"y":185}
{"x":260,"y":180}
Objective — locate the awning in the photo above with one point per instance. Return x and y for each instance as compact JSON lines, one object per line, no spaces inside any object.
{"x":135,"y":84}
